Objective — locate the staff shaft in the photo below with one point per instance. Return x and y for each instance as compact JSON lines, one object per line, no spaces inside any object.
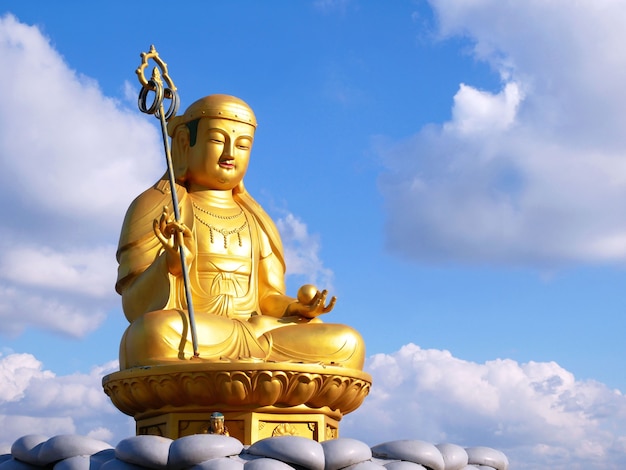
{"x":181,"y":244}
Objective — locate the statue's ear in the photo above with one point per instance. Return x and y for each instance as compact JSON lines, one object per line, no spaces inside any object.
{"x":180,"y":152}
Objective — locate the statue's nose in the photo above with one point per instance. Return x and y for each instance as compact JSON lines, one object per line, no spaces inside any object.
{"x":229,"y":150}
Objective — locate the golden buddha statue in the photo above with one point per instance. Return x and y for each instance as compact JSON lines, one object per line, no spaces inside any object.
{"x":234,"y":257}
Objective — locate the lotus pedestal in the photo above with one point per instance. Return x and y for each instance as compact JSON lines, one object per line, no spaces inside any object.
{"x":258,"y":400}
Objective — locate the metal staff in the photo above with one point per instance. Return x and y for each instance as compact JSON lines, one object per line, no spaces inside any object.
{"x":155,"y":84}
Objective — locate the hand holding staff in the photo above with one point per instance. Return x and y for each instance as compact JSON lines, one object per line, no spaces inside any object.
{"x":156,"y":85}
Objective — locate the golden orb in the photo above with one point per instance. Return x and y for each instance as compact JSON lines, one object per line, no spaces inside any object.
{"x":306,"y":293}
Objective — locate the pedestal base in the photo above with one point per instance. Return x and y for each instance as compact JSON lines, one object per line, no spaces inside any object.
{"x":258,"y":400}
{"x":248,"y":427}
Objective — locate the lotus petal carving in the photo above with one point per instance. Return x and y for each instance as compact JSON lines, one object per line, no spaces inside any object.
{"x":237,"y":386}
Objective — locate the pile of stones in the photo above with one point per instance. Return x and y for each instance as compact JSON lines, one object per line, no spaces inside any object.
{"x":217,"y":452}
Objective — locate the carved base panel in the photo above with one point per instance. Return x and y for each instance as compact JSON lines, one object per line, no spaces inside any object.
{"x":248,"y":427}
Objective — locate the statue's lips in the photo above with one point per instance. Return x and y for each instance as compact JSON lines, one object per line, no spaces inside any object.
{"x":229,"y":163}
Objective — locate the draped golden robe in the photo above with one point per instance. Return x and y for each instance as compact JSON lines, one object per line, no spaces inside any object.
{"x":226,"y":290}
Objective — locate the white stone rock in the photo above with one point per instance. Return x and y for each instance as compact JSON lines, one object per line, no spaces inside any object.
{"x":454,"y":457}
{"x":488,"y":457}
{"x":403,"y":465}
{"x":117,"y":464}
{"x":98,"y":459}
{"x":296,"y":450}
{"x":13,"y":464}
{"x":420,"y":452}
{"x":265,"y":463}
{"x":214,"y":452}
{"x":192,"y":450}
{"x":367,"y":465}
{"x":66,"y":446}
{"x":78,"y":462}
{"x":222,"y":463}
{"x":26,"y":448}
{"x":147,"y":451}
{"x":342,"y":452}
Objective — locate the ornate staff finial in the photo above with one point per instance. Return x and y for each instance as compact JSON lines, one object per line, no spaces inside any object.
{"x":156,"y":85}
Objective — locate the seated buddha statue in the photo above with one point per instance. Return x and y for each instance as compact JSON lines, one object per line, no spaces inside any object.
{"x":234,"y":260}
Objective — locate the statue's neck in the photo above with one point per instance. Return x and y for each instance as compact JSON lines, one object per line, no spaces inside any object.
{"x":214,"y":198}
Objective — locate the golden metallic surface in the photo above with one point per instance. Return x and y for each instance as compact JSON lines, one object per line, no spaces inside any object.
{"x":163,"y":75}
{"x":215,"y":106}
{"x":246,"y":349}
{"x":236,"y":265}
{"x":276,"y":388}
{"x":248,"y":426}
{"x":216,"y":424}
{"x":306,"y":293}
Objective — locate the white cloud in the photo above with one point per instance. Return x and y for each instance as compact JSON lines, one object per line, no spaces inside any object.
{"x":478,"y":112}
{"x":72,"y":161}
{"x":67,"y":314}
{"x":534,"y":173}
{"x":16,"y":372}
{"x":75,"y":270}
{"x":129,"y":92}
{"x":537,"y":413}
{"x":32,"y":398}
{"x":67,"y":149}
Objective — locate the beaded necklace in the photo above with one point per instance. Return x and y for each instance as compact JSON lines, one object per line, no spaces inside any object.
{"x":229,"y":220}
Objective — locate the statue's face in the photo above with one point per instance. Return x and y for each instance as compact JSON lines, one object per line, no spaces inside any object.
{"x":217,"y":425}
{"x":220,"y":157}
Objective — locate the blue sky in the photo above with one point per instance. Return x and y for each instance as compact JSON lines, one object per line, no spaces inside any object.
{"x":454,"y":171}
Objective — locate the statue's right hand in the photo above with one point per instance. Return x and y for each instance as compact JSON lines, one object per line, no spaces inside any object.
{"x":172,"y":234}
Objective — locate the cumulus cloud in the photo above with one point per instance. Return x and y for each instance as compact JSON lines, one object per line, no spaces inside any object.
{"x":537,"y":413}
{"x":72,"y":160}
{"x":477,"y":112}
{"x":33,"y":399}
{"x":58,"y":312}
{"x":74,"y":270}
{"x":533,"y":173}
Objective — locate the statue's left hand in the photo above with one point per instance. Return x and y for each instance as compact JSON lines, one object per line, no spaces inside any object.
{"x":312,"y":308}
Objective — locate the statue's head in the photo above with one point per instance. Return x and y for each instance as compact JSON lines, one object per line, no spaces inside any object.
{"x":211,"y":142}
